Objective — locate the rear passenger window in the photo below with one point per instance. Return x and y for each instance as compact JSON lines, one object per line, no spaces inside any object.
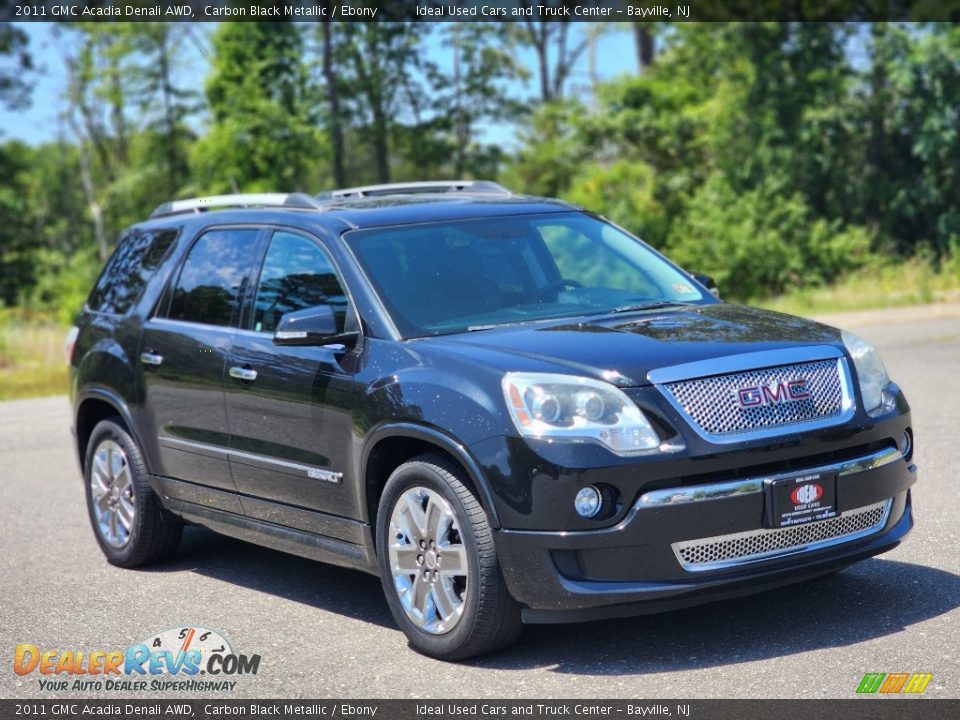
{"x":296,"y":275}
{"x":128,"y":271}
{"x":212,"y":277}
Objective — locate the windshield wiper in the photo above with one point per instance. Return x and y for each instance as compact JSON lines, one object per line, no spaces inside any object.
{"x":645,"y":306}
{"x":491,"y":326}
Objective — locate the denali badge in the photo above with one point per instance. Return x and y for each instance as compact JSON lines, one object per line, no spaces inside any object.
{"x":776,"y":394}
{"x":327,"y":475}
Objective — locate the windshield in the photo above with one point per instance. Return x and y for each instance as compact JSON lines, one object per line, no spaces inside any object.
{"x":449,"y":277}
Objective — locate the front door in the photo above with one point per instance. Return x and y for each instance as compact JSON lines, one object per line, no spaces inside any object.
{"x":289,"y":408}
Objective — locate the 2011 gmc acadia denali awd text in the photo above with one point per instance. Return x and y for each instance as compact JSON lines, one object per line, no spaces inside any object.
{"x":508,"y":408}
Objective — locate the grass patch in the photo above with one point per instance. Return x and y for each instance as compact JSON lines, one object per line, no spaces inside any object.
{"x":914,"y":282}
{"x":32,"y":362}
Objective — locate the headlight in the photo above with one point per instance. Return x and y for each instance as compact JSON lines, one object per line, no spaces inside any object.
{"x":576,"y":409}
{"x":870,"y":370}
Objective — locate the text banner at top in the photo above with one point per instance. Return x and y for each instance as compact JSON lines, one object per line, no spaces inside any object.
{"x":482,"y":11}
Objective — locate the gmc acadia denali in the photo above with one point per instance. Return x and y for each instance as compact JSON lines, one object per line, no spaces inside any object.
{"x":508,"y":408}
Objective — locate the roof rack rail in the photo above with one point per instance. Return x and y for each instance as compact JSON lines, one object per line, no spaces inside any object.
{"x":484,"y":187}
{"x":212,"y":202}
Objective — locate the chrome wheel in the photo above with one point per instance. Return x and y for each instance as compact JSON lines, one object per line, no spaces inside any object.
{"x":111,"y":489}
{"x":428,"y":560}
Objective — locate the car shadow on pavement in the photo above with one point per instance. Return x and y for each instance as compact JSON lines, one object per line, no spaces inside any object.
{"x":869,"y":600}
{"x":339,"y":590}
{"x":866,"y":601}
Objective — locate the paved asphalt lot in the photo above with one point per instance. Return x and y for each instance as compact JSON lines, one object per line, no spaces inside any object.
{"x":326,"y":632}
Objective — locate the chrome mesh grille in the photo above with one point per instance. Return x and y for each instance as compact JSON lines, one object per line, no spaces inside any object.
{"x":713,"y":402}
{"x":728,"y":550}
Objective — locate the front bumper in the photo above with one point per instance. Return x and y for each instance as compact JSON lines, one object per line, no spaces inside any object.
{"x":634,"y":567}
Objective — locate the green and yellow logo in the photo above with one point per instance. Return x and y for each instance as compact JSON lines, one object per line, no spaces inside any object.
{"x":892,"y":683}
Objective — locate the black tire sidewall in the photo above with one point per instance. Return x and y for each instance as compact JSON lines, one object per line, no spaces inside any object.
{"x":423,"y":474}
{"x":110,"y":430}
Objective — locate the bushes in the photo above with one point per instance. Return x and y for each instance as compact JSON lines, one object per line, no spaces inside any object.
{"x":760,"y":243}
{"x":623,"y":192}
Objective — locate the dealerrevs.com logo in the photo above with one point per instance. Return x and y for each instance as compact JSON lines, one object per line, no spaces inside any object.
{"x":188,"y":659}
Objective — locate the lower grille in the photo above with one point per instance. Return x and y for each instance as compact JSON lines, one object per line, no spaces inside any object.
{"x":723,"y":551}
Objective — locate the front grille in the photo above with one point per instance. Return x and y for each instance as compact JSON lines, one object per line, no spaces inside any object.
{"x":713,"y":403}
{"x":739,"y":548}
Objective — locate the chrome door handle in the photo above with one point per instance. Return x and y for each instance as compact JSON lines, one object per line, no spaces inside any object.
{"x":243,"y":373}
{"x":149,"y":358}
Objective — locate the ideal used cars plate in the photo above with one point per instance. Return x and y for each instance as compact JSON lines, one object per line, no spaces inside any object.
{"x":800,"y":499}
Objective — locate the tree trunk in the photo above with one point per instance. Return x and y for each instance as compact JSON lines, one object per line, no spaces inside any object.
{"x":460,"y":131}
{"x":538,"y":38}
{"x":877,"y":137}
{"x":645,"y":45}
{"x":117,"y":117}
{"x":333,"y":101}
{"x":169,"y":119}
{"x":86,"y":180}
{"x":381,"y":147}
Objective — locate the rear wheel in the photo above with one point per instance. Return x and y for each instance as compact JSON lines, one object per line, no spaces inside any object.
{"x":438,"y":565}
{"x":130,"y":525}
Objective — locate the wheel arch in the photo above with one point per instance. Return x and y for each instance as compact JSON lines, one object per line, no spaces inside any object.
{"x":390,"y":446}
{"x":93,"y":406}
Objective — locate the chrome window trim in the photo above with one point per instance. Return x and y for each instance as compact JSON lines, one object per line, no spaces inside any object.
{"x":759,"y":361}
{"x":231,"y":329}
{"x":749,"y":486}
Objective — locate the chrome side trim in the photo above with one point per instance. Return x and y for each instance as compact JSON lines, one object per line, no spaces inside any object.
{"x":310,"y":471}
{"x":847,"y":406}
{"x":747,"y":486}
{"x":744,"y":361}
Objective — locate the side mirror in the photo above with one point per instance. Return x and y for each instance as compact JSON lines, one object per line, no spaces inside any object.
{"x":708,"y":282}
{"x":310,"y":326}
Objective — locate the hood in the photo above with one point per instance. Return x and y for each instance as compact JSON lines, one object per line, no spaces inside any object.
{"x":622,"y":349}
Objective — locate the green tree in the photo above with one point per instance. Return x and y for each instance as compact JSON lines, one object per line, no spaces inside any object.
{"x":262,"y":135}
{"x":16,"y":64}
{"x":380,"y":66}
{"x":552,"y":149}
{"x":16,"y":233}
{"x":557,"y":50}
{"x":475,"y":91}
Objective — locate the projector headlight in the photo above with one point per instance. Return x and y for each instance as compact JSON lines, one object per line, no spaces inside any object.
{"x":870,"y":370}
{"x":577,"y":409}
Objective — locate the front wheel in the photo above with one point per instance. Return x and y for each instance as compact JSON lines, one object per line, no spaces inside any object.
{"x":438,"y":565}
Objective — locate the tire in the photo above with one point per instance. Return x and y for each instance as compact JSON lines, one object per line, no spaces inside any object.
{"x":455,"y":615}
{"x":130,"y":525}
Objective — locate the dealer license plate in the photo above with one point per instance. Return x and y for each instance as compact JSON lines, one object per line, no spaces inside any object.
{"x":800,"y":499}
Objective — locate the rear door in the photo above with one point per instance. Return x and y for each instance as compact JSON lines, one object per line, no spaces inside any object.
{"x":183,"y":356}
{"x":289,"y":408}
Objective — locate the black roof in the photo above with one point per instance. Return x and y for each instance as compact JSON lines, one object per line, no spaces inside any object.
{"x":344,"y":214}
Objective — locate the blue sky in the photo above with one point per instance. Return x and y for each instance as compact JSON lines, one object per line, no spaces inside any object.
{"x":41,"y":121}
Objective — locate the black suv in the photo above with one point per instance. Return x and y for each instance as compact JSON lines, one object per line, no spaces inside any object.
{"x":508,"y":408}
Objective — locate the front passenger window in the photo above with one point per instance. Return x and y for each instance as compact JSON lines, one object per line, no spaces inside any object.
{"x":297,"y":274}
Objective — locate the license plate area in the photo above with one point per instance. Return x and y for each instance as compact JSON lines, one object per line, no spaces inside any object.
{"x":800,"y":499}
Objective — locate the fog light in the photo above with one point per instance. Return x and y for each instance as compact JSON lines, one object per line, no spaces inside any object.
{"x":588,"y":501}
{"x":905,"y":444}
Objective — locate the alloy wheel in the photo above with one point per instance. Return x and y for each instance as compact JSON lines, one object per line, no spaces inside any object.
{"x":428,"y":560}
{"x":111,"y":489}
